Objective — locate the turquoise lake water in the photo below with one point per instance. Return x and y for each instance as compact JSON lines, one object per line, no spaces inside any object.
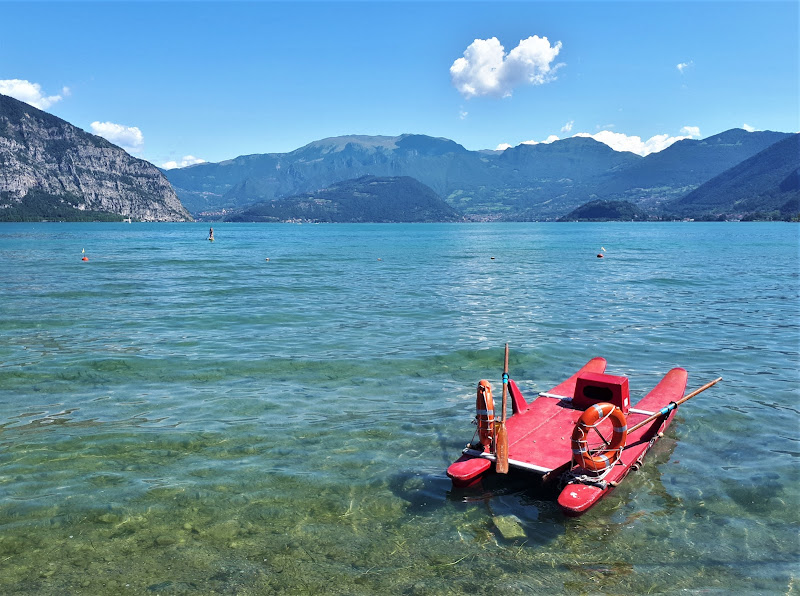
{"x":186,"y":417}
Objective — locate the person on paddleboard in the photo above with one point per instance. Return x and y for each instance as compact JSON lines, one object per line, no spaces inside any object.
{"x":211,"y":234}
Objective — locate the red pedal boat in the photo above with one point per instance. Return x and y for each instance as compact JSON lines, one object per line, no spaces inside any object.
{"x":582,"y":432}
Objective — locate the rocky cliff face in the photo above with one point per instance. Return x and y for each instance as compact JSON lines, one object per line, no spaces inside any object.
{"x":49,"y":162}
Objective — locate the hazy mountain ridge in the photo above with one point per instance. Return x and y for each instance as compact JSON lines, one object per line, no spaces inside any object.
{"x":541,"y":181}
{"x":768,"y":182}
{"x":52,"y":169}
{"x":681,"y":167}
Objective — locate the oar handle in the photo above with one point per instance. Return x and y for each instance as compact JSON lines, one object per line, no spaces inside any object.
{"x":505,"y":384}
{"x":673,"y":405}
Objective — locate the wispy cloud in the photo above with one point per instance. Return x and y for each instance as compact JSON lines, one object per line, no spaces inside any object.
{"x":684,"y":65}
{"x":547,"y":141}
{"x":568,"y":126}
{"x":30,"y":93}
{"x":129,"y":138}
{"x":486,"y":70}
{"x":622,"y":142}
{"x":748,"y":128}
{"x":188,"y":160}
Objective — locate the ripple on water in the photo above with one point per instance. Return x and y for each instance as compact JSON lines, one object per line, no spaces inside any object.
{"x":185,"y":417}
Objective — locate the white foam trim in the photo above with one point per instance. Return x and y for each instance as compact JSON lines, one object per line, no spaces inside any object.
{"x":511,"y":462}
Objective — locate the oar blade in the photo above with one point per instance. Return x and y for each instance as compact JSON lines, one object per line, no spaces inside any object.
{"x":501,"y":448}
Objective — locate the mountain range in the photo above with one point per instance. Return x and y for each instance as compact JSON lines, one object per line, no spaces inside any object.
{"x":50,"y":169}
{"x":527,"y":182}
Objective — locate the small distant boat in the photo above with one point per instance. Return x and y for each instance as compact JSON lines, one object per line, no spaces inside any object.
{"x":127,"y":220}
{"x":582,"y":433}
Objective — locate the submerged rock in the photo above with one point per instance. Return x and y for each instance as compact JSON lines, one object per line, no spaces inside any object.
{"x":510,"y":526}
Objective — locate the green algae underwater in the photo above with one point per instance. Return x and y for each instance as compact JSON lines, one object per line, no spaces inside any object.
{"x":186,"y":417}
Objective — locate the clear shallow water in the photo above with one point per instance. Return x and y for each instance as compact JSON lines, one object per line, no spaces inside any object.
{"x":185,"y":417}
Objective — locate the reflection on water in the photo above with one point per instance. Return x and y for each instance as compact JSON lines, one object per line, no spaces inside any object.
{"x":183,"y":417}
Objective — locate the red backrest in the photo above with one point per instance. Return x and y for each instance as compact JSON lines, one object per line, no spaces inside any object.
{"x":518,"y":403}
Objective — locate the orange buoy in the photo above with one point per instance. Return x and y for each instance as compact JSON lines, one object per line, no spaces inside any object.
{"x":608,"y":455}
{"x":85,"y":259}
{"x":599,"y":256}
{"x":484,"y":406}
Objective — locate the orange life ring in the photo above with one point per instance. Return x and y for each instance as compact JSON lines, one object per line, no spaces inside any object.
{"x":608,"y":455}
{"x":484,"y":406}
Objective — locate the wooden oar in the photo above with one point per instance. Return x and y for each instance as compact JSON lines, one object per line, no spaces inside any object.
{"x":501,"y":439}
{"x":672,"y":405}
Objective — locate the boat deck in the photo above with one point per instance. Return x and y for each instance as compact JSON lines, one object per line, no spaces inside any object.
{"x":539,"y":435}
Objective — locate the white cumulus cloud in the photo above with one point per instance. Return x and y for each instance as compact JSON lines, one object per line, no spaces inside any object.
{"x":622,"y":142}
{"x":748,"y":128}
{"x":30,"y":93}
{"x":129,"y":138}
{"x":683,"y":66}
{"x":486,"y":70}
{"x":188,"y":160}
{"x":690,"y":131}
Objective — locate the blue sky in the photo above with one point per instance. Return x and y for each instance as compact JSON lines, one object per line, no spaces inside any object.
{"x":214,"y":80}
